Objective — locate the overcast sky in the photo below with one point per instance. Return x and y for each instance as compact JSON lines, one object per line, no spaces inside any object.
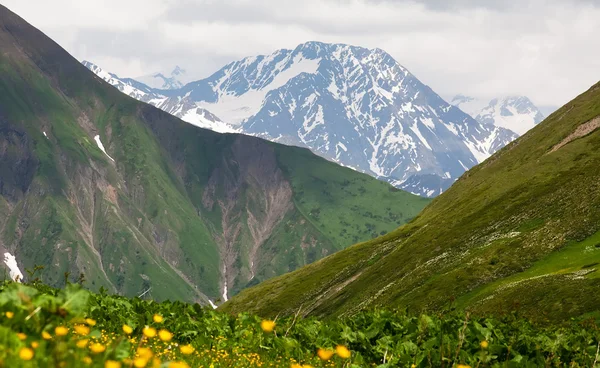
{"x":548,"y":50}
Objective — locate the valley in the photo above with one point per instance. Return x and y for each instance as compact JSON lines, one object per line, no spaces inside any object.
{"x":311,"y":207}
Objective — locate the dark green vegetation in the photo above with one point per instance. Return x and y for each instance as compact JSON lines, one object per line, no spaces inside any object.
{"x":181,"y":211}
{"x":219,"y":340}
{"x":518,"y":232}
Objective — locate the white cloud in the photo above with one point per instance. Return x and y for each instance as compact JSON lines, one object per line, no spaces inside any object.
{"x":543,"y":49}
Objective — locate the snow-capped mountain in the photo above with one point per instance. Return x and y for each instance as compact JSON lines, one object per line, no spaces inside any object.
{"x":175,"y":80}
{"x":182,"y":107}
{"x":130,"y":87}
{"x":516,"y":113}
{"x":356,"y":106}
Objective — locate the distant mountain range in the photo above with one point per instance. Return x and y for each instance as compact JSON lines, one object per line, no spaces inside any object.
{"x":352,"y":105}
{"x":174,"y":80}
{"x":516,"y":113}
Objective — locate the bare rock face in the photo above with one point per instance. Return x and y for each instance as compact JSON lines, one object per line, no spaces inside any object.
{"x":255,"y":199}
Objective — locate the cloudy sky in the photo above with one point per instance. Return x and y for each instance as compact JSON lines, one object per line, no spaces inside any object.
{"x":545,"y":49}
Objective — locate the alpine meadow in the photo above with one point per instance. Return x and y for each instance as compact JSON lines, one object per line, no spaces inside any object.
{"x":318,"y":206}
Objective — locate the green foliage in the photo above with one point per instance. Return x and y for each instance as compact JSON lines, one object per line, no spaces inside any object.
{"x":379,"y":338}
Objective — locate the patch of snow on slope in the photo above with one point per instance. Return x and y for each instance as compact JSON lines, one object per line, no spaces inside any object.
{"x":101,"y":146}
{"x":481,"y":150}
{"x":225,"y":292}
{"x":213,"y":305}
{"x":45,"y":135}
{"x":417,"y":132}
{"x":14,"y":272}
{"x":198,"y":118}
{"x":235,"y":109}
{"x":310,"y":124}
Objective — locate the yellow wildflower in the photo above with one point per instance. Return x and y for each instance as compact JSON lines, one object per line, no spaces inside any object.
{"x":295,"y":365}
{"x":82,"y":329}
{"x":97,"y":348}
{"x":463,"y":366}
{"x":158,"y":318}
{"x":325,"y":354}
{"x":178,"y":365}
{"x":186,"y":349}
{"x":128,"y":330}
{"x":87,"y":360}
{"x":9,"y":315}
{"x":112,"y":364}
{"x":61,"y":331}
{"x":35,"y":344}
{"x":21,"y":336}
{"x":342,"y":351}
{"x":144,"y":353}
{"x":140,"y":362}
{"x":165,"y":335}
{"x":90,"y":322}
{"x":82,"y":343}
{"x":26,"y":353}
{"x":484,"y":344}
{"x":149,"y":332}
{"x":267,"y":326}
{"x":46,"y":335}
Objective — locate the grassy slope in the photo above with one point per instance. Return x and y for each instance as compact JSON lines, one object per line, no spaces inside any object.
{"x":53,"y":236}
{"x":345,"y":207}
{"x":135,"y":223}
{"x":514,"y":216}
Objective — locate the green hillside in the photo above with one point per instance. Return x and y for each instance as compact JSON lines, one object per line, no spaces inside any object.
{"x":518,"y":232}
{"x":171,"y":209}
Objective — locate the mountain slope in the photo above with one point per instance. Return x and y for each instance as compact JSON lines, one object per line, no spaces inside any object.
{"x":95,"y":182}
{"x":516,"y":113}
{"x":518,"y":232}
{"x":351,"y":105}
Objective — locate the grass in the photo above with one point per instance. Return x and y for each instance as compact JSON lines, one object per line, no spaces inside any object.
{"x":499,"y":219}
{"x":347,"y":208}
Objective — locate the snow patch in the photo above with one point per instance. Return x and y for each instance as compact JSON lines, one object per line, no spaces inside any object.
{"x":101,"y":146}
{"x":225,"y":292}
{"x":213,"y":305}
{"x":14,"y":272}
{"x":481,"y":149}
{"x":417,"y":132}
{"x":236,"y":108}
{"x":199,"y":118}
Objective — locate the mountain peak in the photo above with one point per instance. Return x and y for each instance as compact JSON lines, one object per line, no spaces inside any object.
{"x":353,"y":105}
{"x":515,"y":112}
{"x":178,"y":71}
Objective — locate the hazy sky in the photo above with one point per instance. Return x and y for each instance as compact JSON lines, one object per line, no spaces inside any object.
{"x":548,"y":50}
